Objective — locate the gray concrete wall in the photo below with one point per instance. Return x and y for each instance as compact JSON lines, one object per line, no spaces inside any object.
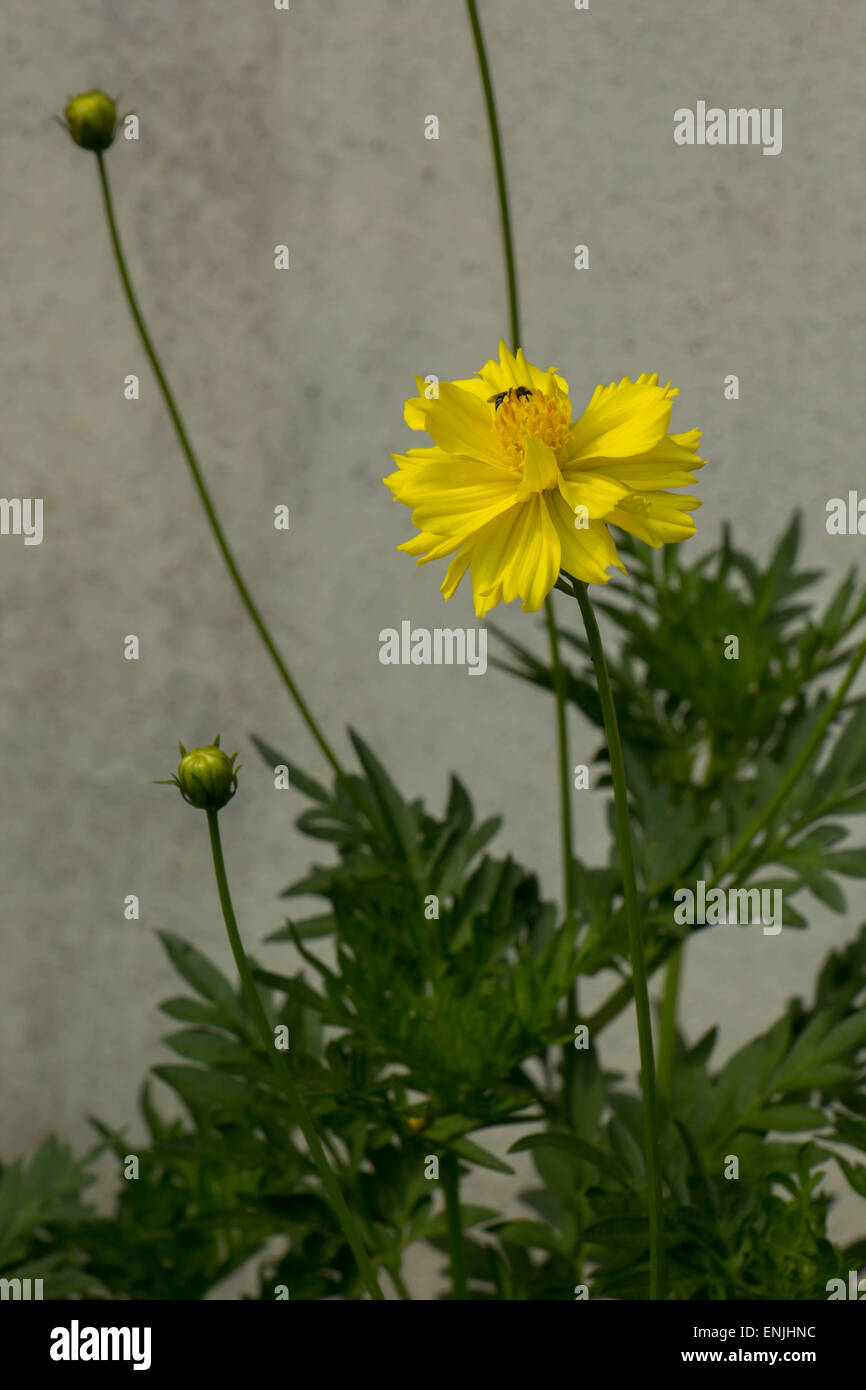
{"x":307,"y":127}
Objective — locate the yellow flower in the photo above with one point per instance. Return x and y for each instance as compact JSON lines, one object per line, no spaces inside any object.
{"x":515,"y":490}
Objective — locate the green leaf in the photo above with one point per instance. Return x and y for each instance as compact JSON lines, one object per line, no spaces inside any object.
{"x":618,"y":1231}
{"x":393,"y":809}
{"x":198,"y":971}
{"x":202,"y":1046}
{"x":577,"y":1148}
{"x":193,"y":1011}
{"x":314,"y":790}
{"x":529,"y":1235}
{"x":789,"y":1118}
{"x":474,"y":1153}
{"x":325,"y":924}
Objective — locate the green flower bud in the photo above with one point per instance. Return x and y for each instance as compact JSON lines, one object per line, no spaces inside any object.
{"x":206,"y":777}
{"x":91,"y":120}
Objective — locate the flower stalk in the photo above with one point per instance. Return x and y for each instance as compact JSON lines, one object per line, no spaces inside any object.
{"x":510,"y":263}
{"x":199,"y":481}
{"x":299,"y":1111}
{"x":652,"y":1156}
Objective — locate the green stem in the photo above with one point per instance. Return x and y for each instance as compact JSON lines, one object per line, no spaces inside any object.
{"x":514,"y":317}
{"x":621,"y":996}
{"x":568,"y":883}
{"x":668,"y":1022}
{"x":400,"y":1284}
{"x":451,"y":1188}
{"x":283,"y":1073}
{"x":639,"y":974}
{"x":499,"y":166}
{"x":198,"y":479}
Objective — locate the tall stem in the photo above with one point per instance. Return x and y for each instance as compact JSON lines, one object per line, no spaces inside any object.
{"x":668,"y":1021}
{"x":652,"y":1157}
{"x":514,"y":318}
{"x":198,"y":479}
{"x":568,"y":886}
{"x":499,"y":167}
{"x":451,"y":1186}
{"x":299,"y":1111}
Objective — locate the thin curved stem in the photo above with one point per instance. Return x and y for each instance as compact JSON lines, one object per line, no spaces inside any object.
{"x":499,"y":167}
{"x":299,"y":1110}
{"x":198,"y":479}
{"x":652,"y":1157}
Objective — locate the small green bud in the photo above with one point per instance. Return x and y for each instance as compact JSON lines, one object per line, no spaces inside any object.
{"x":206,"y":777}
{"x":91,"y":120}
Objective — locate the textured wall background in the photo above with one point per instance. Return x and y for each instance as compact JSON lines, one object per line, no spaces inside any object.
{"x":260,"y":127}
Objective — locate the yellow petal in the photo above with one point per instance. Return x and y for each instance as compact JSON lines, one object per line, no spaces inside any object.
{"x":665,"y":465}
{"x":656,"y":517}
{"x":587,"y":553}
{"x":461,"y":423}
{"x":621,"y":419}
{"x":492,"y":550}
{"x":540,"y":470}
{"x":455,"y":573}
{"x":598,"y":494}
{"x":540,"y":554}
{"x":428,"y":546}
{"x":514,"y":370}
{"x":454,"y":496}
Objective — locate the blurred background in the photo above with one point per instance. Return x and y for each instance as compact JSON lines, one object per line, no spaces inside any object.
{"x":306,"y":127}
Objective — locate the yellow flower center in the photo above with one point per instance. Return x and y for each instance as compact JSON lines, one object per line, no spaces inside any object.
{"x":542,"y":416}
